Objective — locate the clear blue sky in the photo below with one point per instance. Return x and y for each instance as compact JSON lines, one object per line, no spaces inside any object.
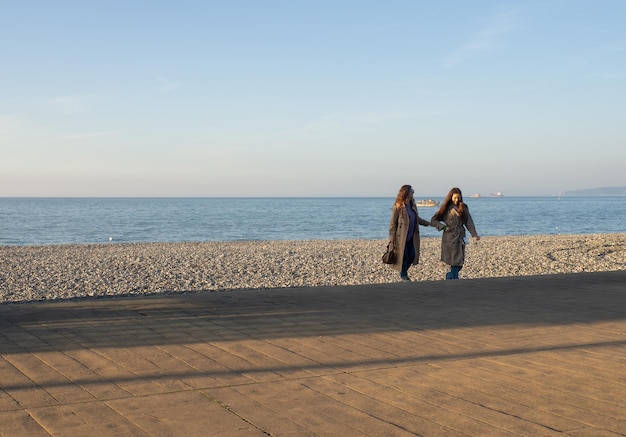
{"x":311,"y":98}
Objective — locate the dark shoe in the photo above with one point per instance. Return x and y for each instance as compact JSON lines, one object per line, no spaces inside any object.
{"x":405,"y":278}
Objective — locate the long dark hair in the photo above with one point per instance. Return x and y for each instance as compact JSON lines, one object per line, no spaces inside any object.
{"x":448,"y":201}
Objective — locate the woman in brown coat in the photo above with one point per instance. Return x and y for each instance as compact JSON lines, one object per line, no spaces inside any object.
{"x":404,"y":234}
{"x":456,"y":217}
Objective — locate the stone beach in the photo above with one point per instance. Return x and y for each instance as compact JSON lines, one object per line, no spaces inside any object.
{"x":34,"y":273}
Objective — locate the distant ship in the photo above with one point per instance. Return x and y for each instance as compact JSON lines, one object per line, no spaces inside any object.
{"x":475,"y":196}
{"x":427,"y":203}
{"x":497,"y":194}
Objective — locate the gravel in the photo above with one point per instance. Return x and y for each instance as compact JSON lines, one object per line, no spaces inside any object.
{"x":34,"y":273}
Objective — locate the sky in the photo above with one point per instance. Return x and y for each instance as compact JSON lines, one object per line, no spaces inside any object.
{"x":255,"y":98}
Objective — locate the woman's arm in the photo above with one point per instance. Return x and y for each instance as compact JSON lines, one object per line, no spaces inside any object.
{"x":469,"y":224}
{"x":436,"y":223}
{"x":393,"y":224}
{"x":423,"y":222}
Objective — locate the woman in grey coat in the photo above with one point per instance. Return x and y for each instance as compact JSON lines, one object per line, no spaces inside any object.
{"x":456,"y":218}
{"x":404,"y":233}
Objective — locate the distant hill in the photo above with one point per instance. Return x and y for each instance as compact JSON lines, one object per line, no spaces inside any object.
{"x":602,"y":191}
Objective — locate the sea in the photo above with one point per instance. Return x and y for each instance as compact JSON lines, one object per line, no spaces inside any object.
{"x":53,"y":221}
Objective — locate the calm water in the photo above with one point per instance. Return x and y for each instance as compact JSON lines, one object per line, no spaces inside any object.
{"x":38,"y":221}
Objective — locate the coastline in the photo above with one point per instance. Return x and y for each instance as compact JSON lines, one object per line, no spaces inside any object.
{"x":35,"y":273}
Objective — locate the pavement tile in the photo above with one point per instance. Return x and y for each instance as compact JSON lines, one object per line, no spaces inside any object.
{"x":23,"y":390}
{"x":462,"y":401}
{"x":228,"y":368}
{"x":7,"y":403}
{"x":265,"y":416}
{"x":19,"y":423}
{"x":491,"y":394}
{"x":300,"y":406}
{"x":548,"y":394}
{"x":391,"y":413}
{"x":61,"y":420}
{"x":182,"y":414}
{"x":105,"y":420}
{"x":521,"y":356}
{"x":419,"y":413}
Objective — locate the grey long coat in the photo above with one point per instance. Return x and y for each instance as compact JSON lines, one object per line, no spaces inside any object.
{"x":398,"y":230}
{"x":452,"y":241}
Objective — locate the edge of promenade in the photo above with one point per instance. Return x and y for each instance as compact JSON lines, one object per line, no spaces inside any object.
{"x":532,"y":355}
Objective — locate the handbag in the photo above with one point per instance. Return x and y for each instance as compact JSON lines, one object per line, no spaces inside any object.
{"x":389,"y":257}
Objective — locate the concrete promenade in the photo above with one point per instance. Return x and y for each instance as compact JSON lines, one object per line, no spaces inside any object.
{"x":528,"y":356}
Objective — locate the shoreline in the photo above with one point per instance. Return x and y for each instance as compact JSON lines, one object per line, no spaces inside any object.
{"x":54,"y":272}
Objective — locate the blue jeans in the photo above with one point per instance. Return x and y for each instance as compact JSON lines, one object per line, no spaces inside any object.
{"x":407,"y":259}
{"x":454,"y":272}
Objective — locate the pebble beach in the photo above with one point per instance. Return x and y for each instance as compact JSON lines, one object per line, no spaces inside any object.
{"x":44,"y":273}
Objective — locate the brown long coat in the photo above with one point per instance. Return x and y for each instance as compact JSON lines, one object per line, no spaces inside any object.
{"x":398,"y":230}
{"x":452,"y":241}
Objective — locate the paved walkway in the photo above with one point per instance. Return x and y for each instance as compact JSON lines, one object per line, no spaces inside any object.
{"x":528,"y":356}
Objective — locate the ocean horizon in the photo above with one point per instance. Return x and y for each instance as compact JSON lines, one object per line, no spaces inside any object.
{"x":93,"y":220}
